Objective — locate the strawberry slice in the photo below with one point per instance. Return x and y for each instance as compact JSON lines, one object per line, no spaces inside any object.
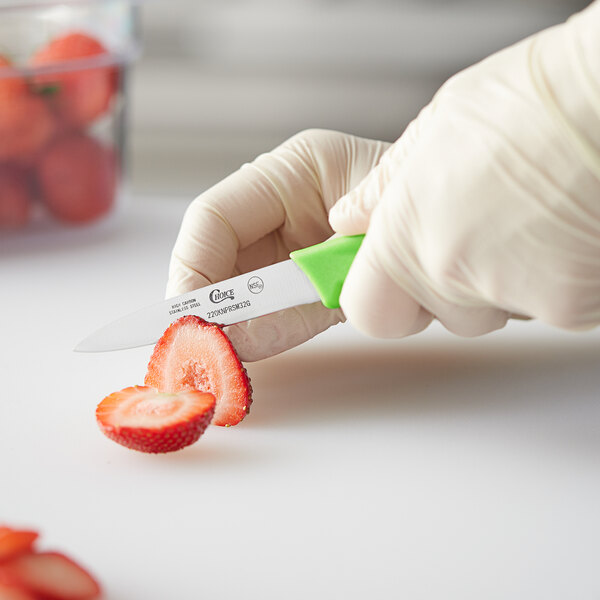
{"x":193,"y":354}
{"x":15,"y":593}
{"x":144,"y":419}
{"x":14,"y":542}
{"x":50,"y":575}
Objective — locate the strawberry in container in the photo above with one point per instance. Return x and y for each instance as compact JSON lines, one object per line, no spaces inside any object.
{"x":77,"y":173}
{"x":77,"y":177}
{"x":61,"y":110}
{"x":77,"y":95}
{"x":26,"y":125}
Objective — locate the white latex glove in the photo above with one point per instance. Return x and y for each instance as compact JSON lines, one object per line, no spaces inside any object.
{"x":258,"y":215}
{"x":489,"y":204}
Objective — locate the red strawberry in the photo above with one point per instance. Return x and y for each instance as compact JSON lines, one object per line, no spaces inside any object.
{"x":15,"y":541}
{"x":193,"y":354}
{"x":78,"y":95}
{"x":77,"y":177}
{"x":15,"y":197}
{"x":26,"y":123}
{"x":51,"y":576}
{"x":147,"y":420}
{"x":10,"y":84}
{"x":15,"y":593}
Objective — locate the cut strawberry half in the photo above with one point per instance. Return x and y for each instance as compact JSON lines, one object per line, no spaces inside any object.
{"x":14,"y":542}
{"x":50,"y":575}
{"x":193,"y":354}
{"x":144,"y":419}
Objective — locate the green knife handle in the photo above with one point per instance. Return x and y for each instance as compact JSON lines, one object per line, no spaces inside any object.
{"x":327,"y":264}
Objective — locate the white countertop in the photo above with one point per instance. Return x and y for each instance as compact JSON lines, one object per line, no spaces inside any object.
{"x":433,"y":467}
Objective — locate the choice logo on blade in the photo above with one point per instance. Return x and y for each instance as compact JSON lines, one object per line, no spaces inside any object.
{"x":217,"y":296}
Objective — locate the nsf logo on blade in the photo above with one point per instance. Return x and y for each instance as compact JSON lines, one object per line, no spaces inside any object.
{"x":256,"y":285}
{"x":217,"y":296}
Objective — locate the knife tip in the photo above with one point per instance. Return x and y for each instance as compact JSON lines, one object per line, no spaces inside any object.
{"x":82,"y":347}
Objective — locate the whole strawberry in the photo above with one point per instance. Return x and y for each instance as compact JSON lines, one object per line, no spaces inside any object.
{"x":77,"y":178}
{"x":15,"y":197}
{"x":78,"y":95}
{"x":26,"y":123}
{"x":11,"y":83}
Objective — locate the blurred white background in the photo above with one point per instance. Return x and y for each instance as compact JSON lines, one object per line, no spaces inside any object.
{"x":221,"y":81}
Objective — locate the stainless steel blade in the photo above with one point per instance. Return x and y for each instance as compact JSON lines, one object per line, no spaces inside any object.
{"x":241,"y":298}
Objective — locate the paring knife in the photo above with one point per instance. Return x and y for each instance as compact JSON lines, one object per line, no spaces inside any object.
{"x":312,"y":274}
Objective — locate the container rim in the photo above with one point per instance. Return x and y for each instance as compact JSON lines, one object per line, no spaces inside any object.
{"x":77,"y":64}
{"x":31,"y":4}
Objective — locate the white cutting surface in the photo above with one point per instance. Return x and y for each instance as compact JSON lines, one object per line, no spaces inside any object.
{"x":429,"y":468}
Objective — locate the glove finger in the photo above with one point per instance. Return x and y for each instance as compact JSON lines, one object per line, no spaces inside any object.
{"x":352,"y":213}
{"x":183,"y":279}
{"x":374,"y":302}
{"x":386,"y":300}
{"x":399,"y":264}
{"x":217,"y":223}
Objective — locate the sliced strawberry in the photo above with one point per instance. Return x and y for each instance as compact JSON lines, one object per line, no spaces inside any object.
{"x":77,"y":177}
{"x":15,"y":541}
{"x":15,"y":593}
{"x":79,"y":96}
{"x":15,"y":197}
{"x":50,"y":575}
{"x":144,"y":419}
{"x":193,"y":354}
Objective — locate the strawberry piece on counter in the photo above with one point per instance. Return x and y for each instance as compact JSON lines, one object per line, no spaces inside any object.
{"x":79,"y":96}
{"x":15,"y":198}
{"x":14,"y":542}
{"x":49,"y":575}
{"x":77,"y":177}
{"x":194,"y":354}
{"x":144,"y":419}
{"x":14,"y":593}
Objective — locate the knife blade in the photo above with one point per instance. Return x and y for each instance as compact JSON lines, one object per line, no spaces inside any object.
{"x":312,"y":274}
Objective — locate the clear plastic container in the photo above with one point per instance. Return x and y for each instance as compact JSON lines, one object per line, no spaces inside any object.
{"x":63,"y":100}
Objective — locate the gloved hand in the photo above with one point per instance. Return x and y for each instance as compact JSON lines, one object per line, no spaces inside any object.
{"x":258,"y":215}
{"x":489,"y":204}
